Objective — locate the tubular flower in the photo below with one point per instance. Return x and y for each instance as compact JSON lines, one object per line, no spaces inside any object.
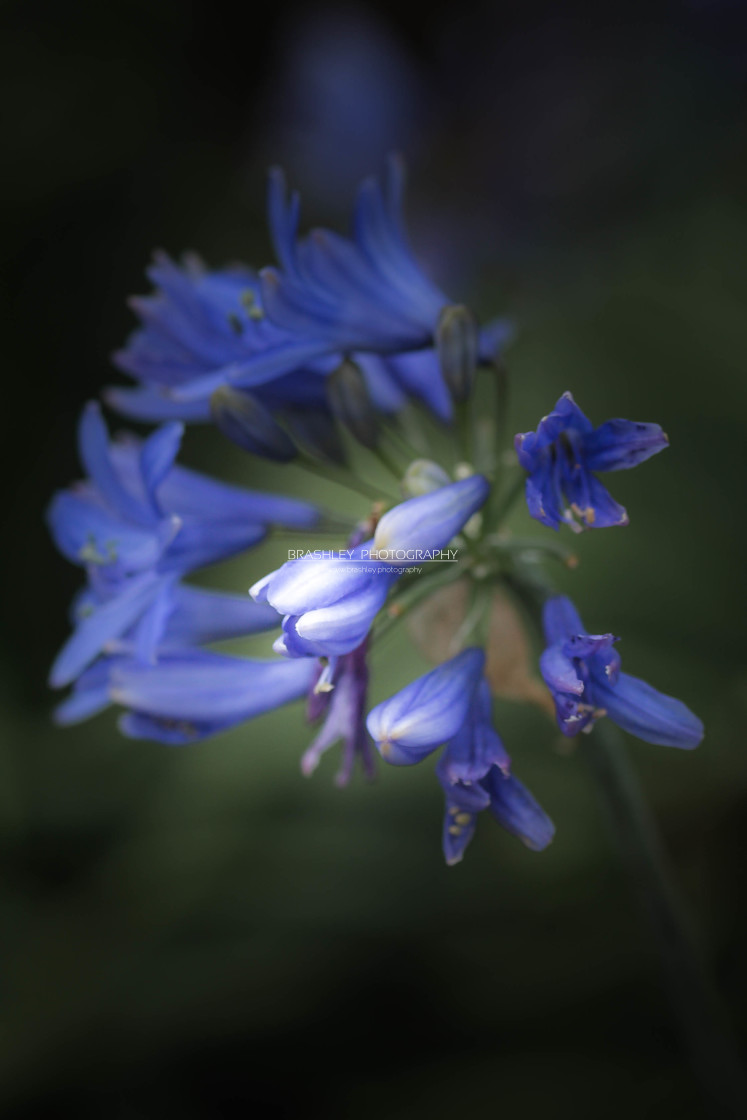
{"x":452,"y":705}
{"x":339,"y":697}
{"x":195,"y":694}
{"x":561,"y":456}
{"x":138,"y":524}
{"x":426,"y":524}
{"x":204,"y":327}
{"x":281,"y":333}
{"x":330,"y":600}
{"x":583,"y":674}
{"x":425,"y":714}
{"x":184,"y":617}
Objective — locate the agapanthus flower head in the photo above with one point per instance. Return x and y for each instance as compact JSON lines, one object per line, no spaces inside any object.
{"x":560,"y":459}
{"x":138,"y":524}
{"x":289,"y":363}
{"x":583,"y":674}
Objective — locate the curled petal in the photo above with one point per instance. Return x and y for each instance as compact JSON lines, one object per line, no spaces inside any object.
{"x":559,"y":672}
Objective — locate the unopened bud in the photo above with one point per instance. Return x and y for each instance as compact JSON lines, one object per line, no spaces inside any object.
{"x":422,"y":477}
{"x":457,"y":346}
{"x":351,"y":404}
{"x":313,"y":429}
{"x":250,"y":425}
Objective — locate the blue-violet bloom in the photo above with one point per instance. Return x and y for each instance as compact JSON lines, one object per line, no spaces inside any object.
{"x":185,"y":617}
{"x":583,"y":674}
{"x":138,"y":524}
{"x":561,"y":456}
{"x":428,"y":712}
{"x":330,"y":601}
{"x":339,"y":696}
{"x":191,"y":695}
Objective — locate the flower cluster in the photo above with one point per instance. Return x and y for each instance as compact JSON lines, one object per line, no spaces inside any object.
{"x":343,"y":356}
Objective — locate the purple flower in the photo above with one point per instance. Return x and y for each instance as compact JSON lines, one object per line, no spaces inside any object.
{"x":583,"y":674}
{"x":194,"y":694}
{"x":561,"y":456}
{"x":330,"y":600}
{"x":339,"y":696}
{"x":452,"y":705}
{"x":138,"y":524}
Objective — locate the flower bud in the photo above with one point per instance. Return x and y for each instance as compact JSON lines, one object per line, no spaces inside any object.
{"x":428,"y":712}
{"x":431,"y":521}
{"x":248,"y":424}
{"x":423,"y":476}
{"x":314,"y":431}
{"x":350,"y":402}
{"x":457,"y":345}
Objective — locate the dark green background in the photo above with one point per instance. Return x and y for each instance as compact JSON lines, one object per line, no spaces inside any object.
{"x":203,"y":933}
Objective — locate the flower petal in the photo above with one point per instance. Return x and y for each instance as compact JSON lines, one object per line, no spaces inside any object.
{"x":618,"y":445}
{"x":427,"y":712}
{"x":649,"y":715}
{"x":518,"y":812}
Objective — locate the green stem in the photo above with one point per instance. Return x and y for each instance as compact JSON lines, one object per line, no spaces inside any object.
{"x":697,"y":1007}
{"x":403,"y":445}
{"x":698,"y":1011}
{"x":464,"y":429}
{"x":500,"y":502}
{"x":341,"y":478}
{"x":388,"y":463}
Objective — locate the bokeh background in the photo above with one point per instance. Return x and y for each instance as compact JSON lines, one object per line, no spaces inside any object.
{"x":202,"y":933}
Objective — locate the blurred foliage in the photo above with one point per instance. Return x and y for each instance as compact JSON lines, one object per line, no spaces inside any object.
{"x":201,"y":932}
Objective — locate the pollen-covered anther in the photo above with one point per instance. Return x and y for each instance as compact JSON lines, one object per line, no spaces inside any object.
{"x":463,"y":818}
{"x":588,"y":515}
{"x":455,"y":830}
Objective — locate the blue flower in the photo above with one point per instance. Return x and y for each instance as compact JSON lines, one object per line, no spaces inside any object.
{"x":420,"y":717}
{"x":583,"y":674}
{"x":138,"y":524}
{"x":202,"y":324}
{"x":451,"y":705}
{"x":364,"y":293}
{"x":182,"y":617}
{"x":561,"y":456}
{"x":427,"y":523}
{"x":281,"y":333}
{"x":510,"y":802}
{"x":330,"y":600}
{"x":193,"y":694}
{"x":339,"y":697}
